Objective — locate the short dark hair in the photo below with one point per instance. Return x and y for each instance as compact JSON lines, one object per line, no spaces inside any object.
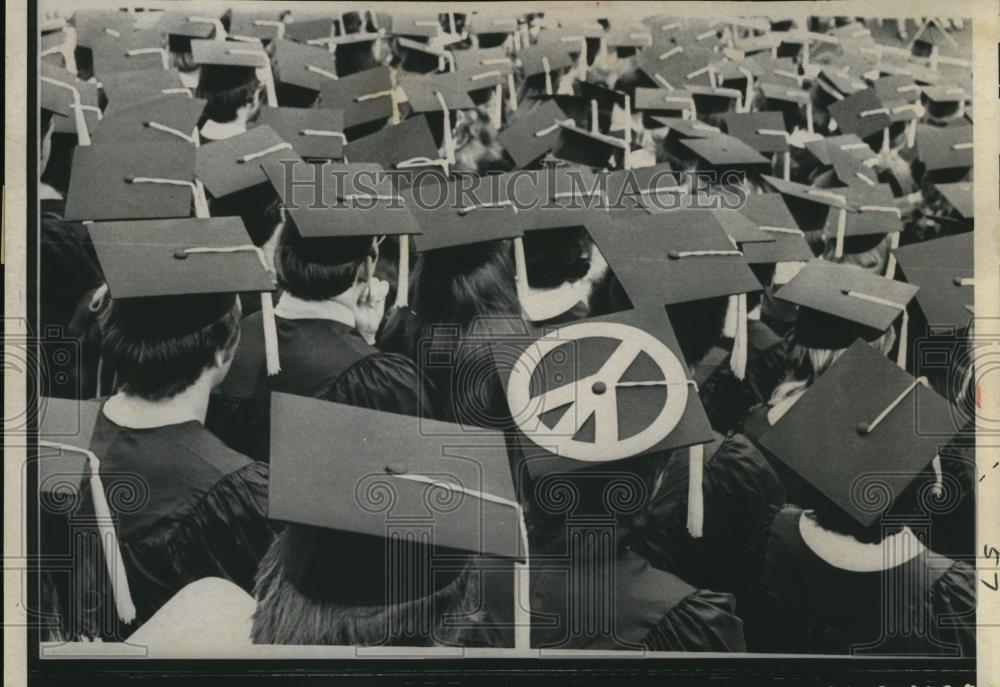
{"x":304,"y":275}
{"x":226,"y":90}
{"x":698,"y":326}
{"x":157,"y":368}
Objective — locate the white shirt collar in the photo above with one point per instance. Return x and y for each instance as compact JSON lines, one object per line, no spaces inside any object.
{"x":216,"y":131}
{"x":291,"y":308}
{"x":847,"y":553}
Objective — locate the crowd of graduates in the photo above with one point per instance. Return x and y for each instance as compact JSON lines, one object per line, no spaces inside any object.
{"x":713,"y":392}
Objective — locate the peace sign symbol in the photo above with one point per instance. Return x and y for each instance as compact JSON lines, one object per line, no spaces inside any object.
{"x":595,"y":395}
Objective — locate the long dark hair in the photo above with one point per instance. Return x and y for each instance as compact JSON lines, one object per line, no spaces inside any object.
{"x":461,"y":298}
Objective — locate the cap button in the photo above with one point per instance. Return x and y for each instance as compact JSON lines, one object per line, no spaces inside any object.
{"x":180,"y":254}
{"x":957,"y":281}
{"x":863,"y":428}
{"x":396,"y":469}
{"x":674,"y":255}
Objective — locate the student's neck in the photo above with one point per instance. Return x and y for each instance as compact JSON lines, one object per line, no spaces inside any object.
{"x":135,"y":412}
{"x":847,"y":553}
{"x":46,"y":192}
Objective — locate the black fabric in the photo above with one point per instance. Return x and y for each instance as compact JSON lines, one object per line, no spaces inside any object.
{"x":813,"y":607}
{"x":186,"y":507}
{"x":320,"y":359}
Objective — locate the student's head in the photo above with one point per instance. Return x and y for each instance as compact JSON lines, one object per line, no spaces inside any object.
{"x":318,"y":269}
{"x":323,"y":587}
{"x":477,"y":148}
{"x":556,"y":256}
{"x":870,"y":253}
{"x":232,"y":92}
{"x":159,"y":350}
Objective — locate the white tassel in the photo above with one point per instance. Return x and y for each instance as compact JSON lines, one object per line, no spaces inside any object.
{"x":938,"y":488}
{"x":841,"y":231}
{"x":890,"y":267}
{"x":738,"y":358}
{"x":696,"y":506}
{"x":106,"y":529}
{"x":732,"y":311}
{"x":403,"y":282}
{"x":270,"y":334}
{"x":901,"y":352}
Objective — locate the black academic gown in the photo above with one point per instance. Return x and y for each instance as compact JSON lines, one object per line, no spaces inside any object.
{"x":636,"y":607}
{"x":185,"y":506}
{"x":814,"y":607}
{"x":320,"y":358}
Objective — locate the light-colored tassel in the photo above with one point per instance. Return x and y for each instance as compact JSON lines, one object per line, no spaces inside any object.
{"x":106,"y":530}
{"x":270,"y":334}
{"x":738,"y":358}
{"x":594,"y":121}
{"x":890,"y":267}
{"x":787,"y":165}
{"x":938,"y":488}
{"x":696,"y":505}
{"x":841,"y":231}
{"x":901,"y":352}
{"x":732,"y":312}
{"x":403,"y":283}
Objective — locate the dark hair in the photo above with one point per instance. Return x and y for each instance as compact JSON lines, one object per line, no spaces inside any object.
{"x":157,"y":368}
{"x":698,"y":325}
{"x":308,"y":268}
{"x":555,"y":256}
{"x":226,"y":89}
{"x":460,"y":297}
{"x":285,"y":615}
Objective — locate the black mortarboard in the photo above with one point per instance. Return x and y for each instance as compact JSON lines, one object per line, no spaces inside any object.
{"x":679,"y":67}
{"x":315,"y":133}
{"x":166,"y":119}
{"x":945,"y":150}
{"x":135,"y":51}
{"x":532,"y":133}
{"x":132,"y":87}
{"x":395,"y":492}
{"x":959,"y":196}
{"x":857,"y":428}
{"x":722,"y":153}
{"x":131,"y":181}
{"x":265,"y":25}
{"x":410,"y":139}
{"x":234,"y":164}
{"x":661,"y":101}
{"x":840,"y":303}
{"x":60,"y":83}
{"x":762,"y":131}
{"x":809,"y":205}
{"x":943,"y":269}
{"x":94,"y":26}
{"x":862,"y":114}
{"x":769,"y":214}
{"x":487,"y":214}
{"x":171,"y":278}
{"x":422,"y":92}
{"x":365,"y":97}
{"x":303,"y":66}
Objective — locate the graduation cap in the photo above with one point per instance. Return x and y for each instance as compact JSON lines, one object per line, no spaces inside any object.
{"x":422,"y":92}
{"x":870,"y":211}
{"x":135,"y":51}
{"x":722,"y":153}
{"x":943,"y":269}
{"x":853,"y":166}
{"x":839,"y":440}
{"x":263,"y":25}
{"x":315,"y":133}
{"x":365,"y":97}
{"x":628,"y":35}
{"x":490,"y":23}
{"x":357,"y":204}
{"x":133,"y":87}
{"x":446,"y":504}
{"x":424,"y":25}
{"x":788,"y":99}
{"x":181,"y":27}
{"x":897,"y":88}
{"x":94,"y":26}
{"x":809,"y":205}
{"x":945,"y":152}
{"x":944,"y":100}
{"x":166,"y":119}
{"x":770,"y":215}
{"x":59,"y":49}
{"x":600,"y":391}
{"x":862,"y":114}
{"x":303,"y":66}
{"x":81,"y":98}
{"x":65,"y":462}
{"x":546,"y":60}
{"x":663,"y":259}
{"x":590,"y":147}
{"x":762,"y":131}
{"x":55,"y":99}
{"x":234,"y":164}
{"x":229,"y":64}
{"x":820,"y":148}
{"x":172,"y":278}
{"x":679,"y":66}
{"x":959,"y":196}
{"x":532,"y":133}
{"x":317,"y":31}
{"x":663,"y":102}
{"x":115,"y":181}
{"x":840,"y":303}
{"x":407,"y":143}
{"x":645,"y":189}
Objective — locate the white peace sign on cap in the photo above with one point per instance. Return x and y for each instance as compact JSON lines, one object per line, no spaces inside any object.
{"x":595,"y":395}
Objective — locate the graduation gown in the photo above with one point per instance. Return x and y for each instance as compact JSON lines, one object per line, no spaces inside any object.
{"x":814,"y":607}
{"x":640,"y":607}
{"x":185,"y":506}
{"x":320,"y":358}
